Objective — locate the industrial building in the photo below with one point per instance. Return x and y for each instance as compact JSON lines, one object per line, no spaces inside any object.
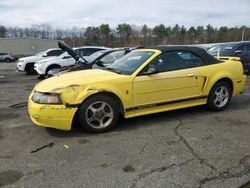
{"x":26,"y":46}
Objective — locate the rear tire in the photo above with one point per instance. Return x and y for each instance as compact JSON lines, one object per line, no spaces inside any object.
{"x":98,"y":113}
{"x":219,"y":96}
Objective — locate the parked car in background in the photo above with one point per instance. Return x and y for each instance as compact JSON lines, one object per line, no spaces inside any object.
{"x":7,"y":57}
{"x":99,"y":59}
{"x":144,"y":81}
{"x":107,"y":57}
{"x":26,"y":64}
{"x":42,"y":67}
{"x":233,"y":49}
{"x":86,"y":51}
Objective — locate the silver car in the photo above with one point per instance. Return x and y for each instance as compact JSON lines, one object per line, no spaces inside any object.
{"x":7,"y":57}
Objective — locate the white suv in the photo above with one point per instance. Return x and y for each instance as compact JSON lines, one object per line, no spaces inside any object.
{"x":26,"y":64}
{"x":42,"y":67}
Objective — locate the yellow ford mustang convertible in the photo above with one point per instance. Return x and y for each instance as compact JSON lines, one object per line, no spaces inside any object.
{"x":144,"y":81}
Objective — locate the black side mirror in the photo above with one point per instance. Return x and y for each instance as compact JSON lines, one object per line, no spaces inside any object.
{"x":100,"y":63}
{"x":150,"y":71}
{"x":237,"y":52}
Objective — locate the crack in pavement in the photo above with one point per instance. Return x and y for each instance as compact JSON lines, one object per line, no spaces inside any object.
{"x":152,"y":136}
{"x":222,"y":175}
{"x":154,"y":139}
{"x":228,"y":175}
{"x":174,"y":142}
{"x":158,"y":169}
{"x":190,"y":148}
{"x":247,"y":110}
{"x":164,"y":168}
{"x":143,"y":148}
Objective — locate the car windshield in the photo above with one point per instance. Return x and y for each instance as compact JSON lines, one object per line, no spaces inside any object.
{"x":223,"y":49}
{"x":129,"y":63}
{"x":63,"y":55}
{"x":94,"y":56}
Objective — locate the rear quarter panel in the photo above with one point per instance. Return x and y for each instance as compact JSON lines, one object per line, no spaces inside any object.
{"x":232,"y":70}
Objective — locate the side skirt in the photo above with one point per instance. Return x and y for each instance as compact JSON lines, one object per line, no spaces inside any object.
{"x":164,"y":106}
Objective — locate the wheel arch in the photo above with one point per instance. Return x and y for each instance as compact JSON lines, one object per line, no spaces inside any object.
{"x":110,"y":94}
{"x":28,"y":64}
{"x":52,"y":65}
{"x":75,"y":120}
{"x":225,"y":76}
{"x":223,"y":79}
{"x":227,"y":80}
{"x":7,"y":58}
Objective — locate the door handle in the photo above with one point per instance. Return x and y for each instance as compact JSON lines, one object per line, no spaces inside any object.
{"x":190,"y":75}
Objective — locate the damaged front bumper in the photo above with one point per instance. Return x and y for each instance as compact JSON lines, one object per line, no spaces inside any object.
{"x":53,"y":116}
{"x":20,"y":67}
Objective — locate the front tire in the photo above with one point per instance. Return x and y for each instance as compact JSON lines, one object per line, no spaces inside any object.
{"x":219,"y":96}
{"x":99,"y":113}
{"x":30,"y":69}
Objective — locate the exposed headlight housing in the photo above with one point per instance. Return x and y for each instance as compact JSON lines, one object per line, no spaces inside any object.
{"x":46,"y":98}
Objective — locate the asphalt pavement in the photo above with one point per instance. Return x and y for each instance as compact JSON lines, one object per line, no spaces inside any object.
{"x":191,"y":148}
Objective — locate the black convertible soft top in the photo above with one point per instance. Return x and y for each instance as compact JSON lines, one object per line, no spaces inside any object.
{"x":209,"y":59}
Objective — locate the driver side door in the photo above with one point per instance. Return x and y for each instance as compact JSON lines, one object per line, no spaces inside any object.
{"x":176,"y":80}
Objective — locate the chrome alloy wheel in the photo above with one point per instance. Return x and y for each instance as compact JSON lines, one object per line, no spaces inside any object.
{"x":99,"y":114}
{"x":221,"y":96}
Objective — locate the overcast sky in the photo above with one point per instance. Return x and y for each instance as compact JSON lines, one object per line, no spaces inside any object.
{"x":82,"y":13}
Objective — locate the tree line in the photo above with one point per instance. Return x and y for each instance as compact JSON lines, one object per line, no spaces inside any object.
{"x":131,"y":35}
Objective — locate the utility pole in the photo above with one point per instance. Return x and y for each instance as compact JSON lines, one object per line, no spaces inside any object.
{"x":243,"y":34}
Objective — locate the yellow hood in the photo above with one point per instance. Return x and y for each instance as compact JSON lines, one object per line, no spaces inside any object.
{"x":76,"y":78}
